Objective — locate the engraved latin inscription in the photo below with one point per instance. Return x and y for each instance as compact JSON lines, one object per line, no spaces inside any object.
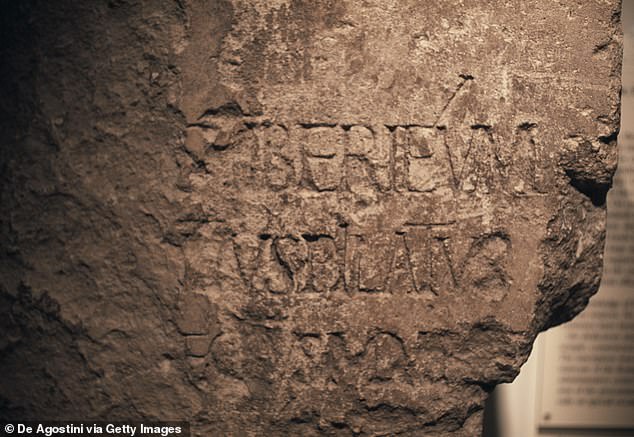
{"x":419,"y":260}
{"x":366,"y":160}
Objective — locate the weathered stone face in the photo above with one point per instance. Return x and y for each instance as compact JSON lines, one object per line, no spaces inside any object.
{"x":355,"y":218}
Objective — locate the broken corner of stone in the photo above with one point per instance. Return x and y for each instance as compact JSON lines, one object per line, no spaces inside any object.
{"x":297,"y":218}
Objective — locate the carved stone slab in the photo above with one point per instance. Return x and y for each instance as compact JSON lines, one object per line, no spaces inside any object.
{"x":327,"y":217}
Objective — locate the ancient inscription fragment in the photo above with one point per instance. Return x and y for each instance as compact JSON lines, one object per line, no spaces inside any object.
{"x":401,"y":206}
{"x":346,"y":218}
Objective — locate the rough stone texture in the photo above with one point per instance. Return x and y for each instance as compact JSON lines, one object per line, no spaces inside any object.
{"x":291,"y":217}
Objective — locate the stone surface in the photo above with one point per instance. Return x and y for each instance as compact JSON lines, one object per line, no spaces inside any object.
{"x":296,"y":217}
